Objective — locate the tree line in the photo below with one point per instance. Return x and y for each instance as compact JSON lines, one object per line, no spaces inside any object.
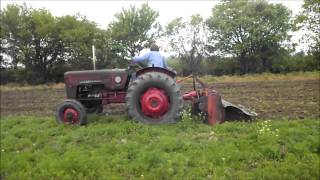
{"x":239,"y":37}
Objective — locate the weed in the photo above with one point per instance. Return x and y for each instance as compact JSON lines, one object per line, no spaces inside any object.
{"x":265,"y":128}
{"x":185,"y":114}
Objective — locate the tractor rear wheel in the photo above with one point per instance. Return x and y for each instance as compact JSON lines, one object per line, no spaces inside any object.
{"x":71,"y":112}
{"x":154,"y":98}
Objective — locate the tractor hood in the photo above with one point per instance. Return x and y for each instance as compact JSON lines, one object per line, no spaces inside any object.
{"x":111,"y":78}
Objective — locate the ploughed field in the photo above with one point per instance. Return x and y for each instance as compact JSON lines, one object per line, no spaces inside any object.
{"x":294,"y":99}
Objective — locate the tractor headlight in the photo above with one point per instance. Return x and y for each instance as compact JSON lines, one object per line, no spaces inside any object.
{"x":117,"y":79}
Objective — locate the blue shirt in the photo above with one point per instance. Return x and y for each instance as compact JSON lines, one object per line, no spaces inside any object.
{"x":154,"y":58}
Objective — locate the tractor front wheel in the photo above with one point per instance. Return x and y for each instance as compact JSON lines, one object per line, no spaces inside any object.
{"x":71,"y":112}
{"x":154,"y":98}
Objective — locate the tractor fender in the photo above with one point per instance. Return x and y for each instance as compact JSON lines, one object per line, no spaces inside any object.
{"x":156,"y":69}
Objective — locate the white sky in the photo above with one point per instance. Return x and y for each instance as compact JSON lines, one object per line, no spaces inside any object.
{"x":102,"y":12}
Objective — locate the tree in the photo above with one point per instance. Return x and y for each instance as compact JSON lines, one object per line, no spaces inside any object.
{"x":309,"y":20}
{"x":12,"y":24}
{"x":250,"y":31}
{"x":30,"y":39}
{"x":47,"y":46}
{"x":78,"y":35}
{"x":133,"y":28}
{"x":188,"y":39}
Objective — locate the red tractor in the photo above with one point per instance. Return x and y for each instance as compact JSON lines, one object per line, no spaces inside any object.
{"x":152,"y":96}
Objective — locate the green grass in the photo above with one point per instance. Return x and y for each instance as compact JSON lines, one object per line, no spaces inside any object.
{"x":109,"y":148}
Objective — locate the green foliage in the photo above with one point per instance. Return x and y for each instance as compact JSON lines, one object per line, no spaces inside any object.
{"x":188,"y":39}
{"x":182,"y":67}
{"x":309,"y":20}
{"x":42,"y":43}
{"x":12,"y":19}
{"x":297,"y":62}
{"x":250,"y":31}
{"x":221,"y":66}
{"x":133,"y":28}
{"x":282,"y":62}
{"x":78,"y":34}
{"x":116,"y":148}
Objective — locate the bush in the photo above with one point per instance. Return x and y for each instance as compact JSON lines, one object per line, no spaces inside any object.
{"x":26,"y":76}
{"x":221,"y":66}
{"x":297,"y":62}
{"x":7,"y":76}
{"x":282,"y":63}
{"x":184,"y":68}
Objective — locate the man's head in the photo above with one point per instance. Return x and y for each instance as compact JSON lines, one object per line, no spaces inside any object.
{"x":154,"y":47}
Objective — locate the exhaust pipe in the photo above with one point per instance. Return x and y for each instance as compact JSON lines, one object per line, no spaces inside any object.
{"x":93,"y":57}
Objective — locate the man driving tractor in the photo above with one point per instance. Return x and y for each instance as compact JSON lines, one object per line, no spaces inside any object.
{"x":153,"y":58}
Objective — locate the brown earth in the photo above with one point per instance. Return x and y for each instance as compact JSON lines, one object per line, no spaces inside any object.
{"x":297,"y":99}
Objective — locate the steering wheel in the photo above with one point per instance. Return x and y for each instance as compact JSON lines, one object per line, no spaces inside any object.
{"x":131,"y":63}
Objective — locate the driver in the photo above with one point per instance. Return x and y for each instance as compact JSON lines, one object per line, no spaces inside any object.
{"x":153,"y":58}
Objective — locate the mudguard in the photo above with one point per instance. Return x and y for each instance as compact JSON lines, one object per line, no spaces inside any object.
{"x":156,"y":69}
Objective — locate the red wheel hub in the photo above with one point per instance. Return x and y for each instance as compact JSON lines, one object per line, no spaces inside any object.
{"x":154,"y":102}
{"x":70,"y":116}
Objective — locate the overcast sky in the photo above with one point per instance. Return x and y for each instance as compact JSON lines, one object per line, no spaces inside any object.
{"x":102,"y":12}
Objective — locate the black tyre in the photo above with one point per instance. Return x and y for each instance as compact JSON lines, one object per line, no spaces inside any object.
{"x":154,"y":98}
{"x":71,"y":112}
{"x":93,"y":106}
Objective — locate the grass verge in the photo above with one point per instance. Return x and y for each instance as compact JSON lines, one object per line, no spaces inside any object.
{"x":26,"y":87}
{"x":110,"y":148}
{"x":245,"y":78}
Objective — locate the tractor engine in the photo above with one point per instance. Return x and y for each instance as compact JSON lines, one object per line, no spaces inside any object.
{"x":93,"y":97}
{"x":93,"y":89}
{"x":90,"y":92}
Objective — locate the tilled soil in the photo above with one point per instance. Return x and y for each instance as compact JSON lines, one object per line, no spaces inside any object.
{"x":270,"y":99}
